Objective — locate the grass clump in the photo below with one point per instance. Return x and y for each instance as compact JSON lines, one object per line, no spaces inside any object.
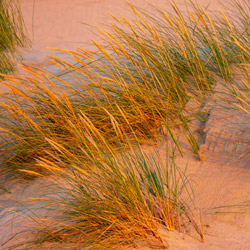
{"x":148,"y":73}
{"x":12,"y":34}
{"x":124,"y":200}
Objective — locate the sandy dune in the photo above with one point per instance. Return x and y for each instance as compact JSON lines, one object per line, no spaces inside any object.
{"x":221,"y":179}
{"x":60,"y":24}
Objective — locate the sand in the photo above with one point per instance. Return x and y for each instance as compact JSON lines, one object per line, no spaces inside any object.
{"x":220,"y":179}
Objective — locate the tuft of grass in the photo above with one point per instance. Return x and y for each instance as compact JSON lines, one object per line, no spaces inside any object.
{"x":12,"y":34}
{"x":125,"y":199}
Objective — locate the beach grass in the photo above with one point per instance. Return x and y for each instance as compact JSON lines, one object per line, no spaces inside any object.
{"x":146,"y":70}
{"x":122,"y":201}
{"x":150,"y":74}
{"x":12,"y":35}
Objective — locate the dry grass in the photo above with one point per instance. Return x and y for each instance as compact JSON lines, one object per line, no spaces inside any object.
{"x":122,"y":200}
{"x":140,"y":80}
{"x":12,"y":34}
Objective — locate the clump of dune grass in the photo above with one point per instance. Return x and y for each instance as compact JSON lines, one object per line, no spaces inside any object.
{"x":147,"y":70}
{"x":12,"y":34}
{"x":124,"y":200}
